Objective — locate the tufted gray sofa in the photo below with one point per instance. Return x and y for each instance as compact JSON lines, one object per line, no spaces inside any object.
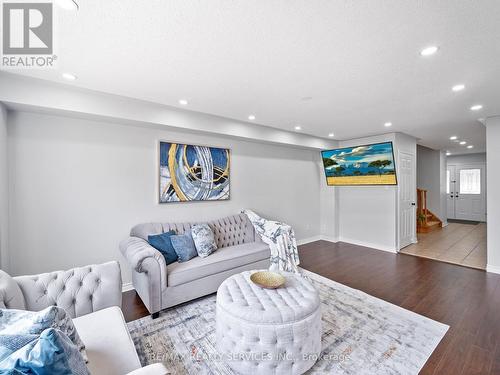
{"x":92,"y":296}
{"x":161,"y":286}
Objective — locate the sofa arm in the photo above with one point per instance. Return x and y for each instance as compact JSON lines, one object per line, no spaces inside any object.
{"x":154,"y":369}
{"x":79,"y":291}
{"x":150,"y":276}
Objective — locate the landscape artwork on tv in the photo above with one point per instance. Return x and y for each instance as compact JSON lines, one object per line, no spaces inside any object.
{"x":193,"y":173}
{"x":360,"y":165}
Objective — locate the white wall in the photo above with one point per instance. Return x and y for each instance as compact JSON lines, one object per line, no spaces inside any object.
{"x":77,"y":187}
{"x":4,"y":198}
{"x":368,"y":215}
{"x":493,"y":182}
{"x":466,"y":158}
{"x":430,"y":169}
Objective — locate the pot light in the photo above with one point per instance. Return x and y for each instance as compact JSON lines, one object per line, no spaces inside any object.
{"x":476,"y":107}
{"x":298,"y":127}
{"x":388,"y":124}
{"x":183,"y":102}
{"x":457,"y":88}
{"x":470,"y":146}
{"x":331,"y":134}
{"x":68,"y":4}
{"x":453,"y":137}
{"x":428,"y":51}
{"x":251,"y":117}
{"x":463,"y":143}
{"x":69,"y":76}
{"x":448,"y":153}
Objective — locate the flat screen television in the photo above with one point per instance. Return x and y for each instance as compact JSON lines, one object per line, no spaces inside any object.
{"x":361,"y":165}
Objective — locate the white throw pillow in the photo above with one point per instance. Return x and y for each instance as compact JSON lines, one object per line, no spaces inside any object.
{"x":204,"y":239}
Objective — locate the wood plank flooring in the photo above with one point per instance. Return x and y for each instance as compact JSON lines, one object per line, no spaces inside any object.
{"x":457,"y":243}
{"x":466,"y":299}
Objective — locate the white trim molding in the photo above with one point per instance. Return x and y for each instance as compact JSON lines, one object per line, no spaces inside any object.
{"x":492,"y":269}
{"x":329,"y":239}
{"x":389,"y":249}
{"x":127,"y":287}
{"x":308,"y":240}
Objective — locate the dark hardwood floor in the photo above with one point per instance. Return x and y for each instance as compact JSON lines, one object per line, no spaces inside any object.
{"x":466,"y":299}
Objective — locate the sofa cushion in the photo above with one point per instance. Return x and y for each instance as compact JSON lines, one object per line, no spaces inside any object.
{"x":109,"y":346}
{"x":184,"y":246}
{"x":204,"y":240}
{"x":163,"y":244}
{"x":222,"y":260}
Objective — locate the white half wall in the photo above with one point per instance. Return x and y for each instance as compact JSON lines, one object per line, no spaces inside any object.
{"x":4,"y":192}
{"x":77,"y":186}
{"x":492,"y":183}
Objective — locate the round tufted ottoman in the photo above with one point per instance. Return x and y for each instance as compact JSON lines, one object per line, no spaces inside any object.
{"x":264,"y":331}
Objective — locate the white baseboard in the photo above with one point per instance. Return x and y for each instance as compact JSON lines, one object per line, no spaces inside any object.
{"x":308,"y":240}
{"x":492,"y":269}
{"x":369,"y":244}
{"x":329,"y":239}
{"x":127,"y":286}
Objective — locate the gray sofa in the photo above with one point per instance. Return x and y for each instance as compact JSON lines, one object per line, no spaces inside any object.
{"x":92,"y":296}
{"x":161,"y":286}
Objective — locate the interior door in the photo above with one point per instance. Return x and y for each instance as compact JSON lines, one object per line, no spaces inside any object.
{"x":407,"y":191}
{"x":470,"y":194}
{"x":450,"y":191}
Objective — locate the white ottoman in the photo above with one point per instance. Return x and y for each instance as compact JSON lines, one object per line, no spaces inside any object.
{"x":264,"y":331}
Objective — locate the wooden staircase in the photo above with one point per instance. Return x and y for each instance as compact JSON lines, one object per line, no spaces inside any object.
{"x":426,"y":220}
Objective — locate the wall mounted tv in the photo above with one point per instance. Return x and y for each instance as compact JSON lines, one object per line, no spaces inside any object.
{"x":361,"y":165}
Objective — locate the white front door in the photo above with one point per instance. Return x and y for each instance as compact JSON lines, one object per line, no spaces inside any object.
{"x":467,"y":197}
{"x":407,"y":191}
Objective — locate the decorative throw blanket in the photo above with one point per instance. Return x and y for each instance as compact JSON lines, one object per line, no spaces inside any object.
{"x":281,"y":239}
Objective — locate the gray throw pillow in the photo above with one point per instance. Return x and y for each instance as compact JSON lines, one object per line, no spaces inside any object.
{"x":204,"y":239}
{"x":184,"y":246}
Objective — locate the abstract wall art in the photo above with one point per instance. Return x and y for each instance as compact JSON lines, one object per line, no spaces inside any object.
{"x":193,"y":173}
{"x":361,"y":165}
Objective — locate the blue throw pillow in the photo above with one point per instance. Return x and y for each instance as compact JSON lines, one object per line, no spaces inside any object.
{"x":184,"y":246}
{"x":204,"y":239}
{"x":163,"y":244}
{"x":49,"y":354}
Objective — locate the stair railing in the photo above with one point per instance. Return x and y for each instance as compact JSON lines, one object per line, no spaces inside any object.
{"x":422,"y":211}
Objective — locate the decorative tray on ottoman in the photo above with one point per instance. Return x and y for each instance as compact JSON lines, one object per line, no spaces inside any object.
{"x":268,"y":279}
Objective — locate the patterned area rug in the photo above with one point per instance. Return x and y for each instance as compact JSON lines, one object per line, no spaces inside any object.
{"x":361,"y":335}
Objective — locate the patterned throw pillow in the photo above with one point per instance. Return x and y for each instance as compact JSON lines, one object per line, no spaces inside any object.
{"x":184,"y":246}
{"x":20,"y":322}
{"x":204,"y":239}
{"x":48,"y":354}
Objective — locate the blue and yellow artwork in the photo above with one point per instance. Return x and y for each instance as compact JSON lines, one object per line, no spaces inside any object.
{"x":193,"y":173}
{"x":361,"y":165}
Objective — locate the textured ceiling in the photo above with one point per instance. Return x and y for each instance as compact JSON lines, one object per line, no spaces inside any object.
{"x":357,"y":62}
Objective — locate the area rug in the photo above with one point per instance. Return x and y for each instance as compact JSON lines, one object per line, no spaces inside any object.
{"x":361,"y":335}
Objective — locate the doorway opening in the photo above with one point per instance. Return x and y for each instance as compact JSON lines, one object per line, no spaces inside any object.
{"x":451,"y":208}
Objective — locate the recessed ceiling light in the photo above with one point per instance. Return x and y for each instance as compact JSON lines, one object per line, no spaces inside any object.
{"x":428,"y":51}
{"x":470,"y":146}
{"x":298,"y":127}
{"x":463,"y":143}
{"x":453,"y":137}
{"x":68,"y":4}
{"x":183,"y":102}
{"x":476,"y":107}
{"x":331,"y":134}
{"x":448,"y":153}
{"x":458,"y":87}
{"x":69,"y":76}
{"x":251,"y":117}
{"x":388,"y":124}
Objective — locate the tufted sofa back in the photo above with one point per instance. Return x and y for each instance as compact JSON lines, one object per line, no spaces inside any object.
{"x":228,"y":231}
{"x":79,"y":291}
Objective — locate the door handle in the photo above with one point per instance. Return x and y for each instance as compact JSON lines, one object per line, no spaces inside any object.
{"x":413,"y":204}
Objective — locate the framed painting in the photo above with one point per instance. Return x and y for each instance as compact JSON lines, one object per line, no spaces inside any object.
{"x":361,"y":165}
{"x":193,"y":173}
